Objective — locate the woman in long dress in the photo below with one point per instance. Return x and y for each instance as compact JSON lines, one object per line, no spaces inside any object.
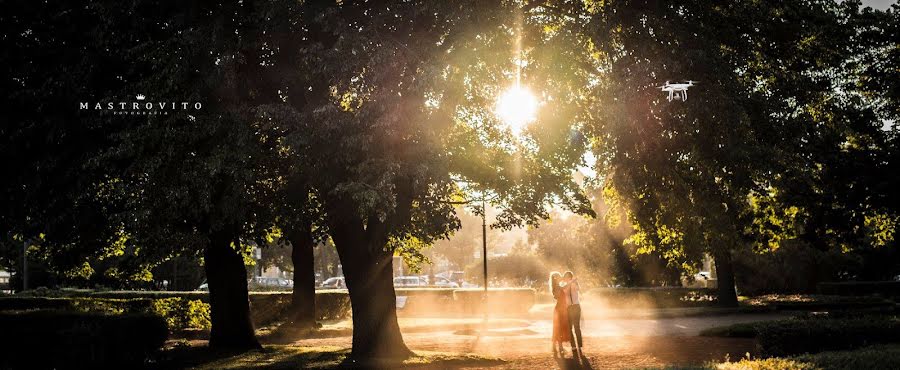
{"x":561,"y":333}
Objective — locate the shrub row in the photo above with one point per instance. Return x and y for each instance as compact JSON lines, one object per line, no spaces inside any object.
{"x":179,"y":313}
{"x":814,"y":334}
{"x":791,"y":337}
{"x":653,"y":297}
{"x":797,"y":302}
{"x":78,"y":340}
{"x":189,"y":310}
{"x":859,"y":288}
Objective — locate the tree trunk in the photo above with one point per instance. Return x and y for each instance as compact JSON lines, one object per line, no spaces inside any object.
{"x":368,"y":271}
{"x":725,"y":274}
{"x":303,"y":299}
{"x":228,"y":297}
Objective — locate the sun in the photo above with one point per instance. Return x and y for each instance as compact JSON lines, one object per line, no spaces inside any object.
{"x":517,"y":107}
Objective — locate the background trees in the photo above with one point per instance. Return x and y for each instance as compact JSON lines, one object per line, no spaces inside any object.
{"x":690,"y":173}
{"x":370,"y":124}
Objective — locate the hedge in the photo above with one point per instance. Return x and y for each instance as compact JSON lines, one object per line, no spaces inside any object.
{"x":814,"y":334}
{"x":179,"y":313}
{"x":78,"y":340}
{"x":858,"y":288}
{"x":653,"y":297}
{"x":189,"y":310}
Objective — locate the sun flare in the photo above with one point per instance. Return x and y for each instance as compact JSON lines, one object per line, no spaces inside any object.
{"x":517,"y":107}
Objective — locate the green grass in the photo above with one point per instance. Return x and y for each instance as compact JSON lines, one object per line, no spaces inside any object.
{"x":815,"y":333}
{"x":277,"y":357}
{"x":742,"y":330}
{"x":870,"y":358}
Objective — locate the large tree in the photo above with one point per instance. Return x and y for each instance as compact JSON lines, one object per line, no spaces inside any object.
{"x":400,"y":105}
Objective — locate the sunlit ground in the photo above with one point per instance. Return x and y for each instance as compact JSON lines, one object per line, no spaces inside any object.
{"x":614,"y":337}
{"x":610,"y":342}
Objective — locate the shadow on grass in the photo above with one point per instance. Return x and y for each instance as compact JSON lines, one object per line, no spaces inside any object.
{"x":574,"y":363}
{"x":278,"y":357}
{"x":282,"y":333}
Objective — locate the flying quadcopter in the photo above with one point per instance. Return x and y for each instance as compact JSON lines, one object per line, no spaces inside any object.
{"x":677,"y":91}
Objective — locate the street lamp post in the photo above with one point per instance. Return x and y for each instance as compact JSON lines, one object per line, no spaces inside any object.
{"x":24,"y":264}
{"x":484,"y":246}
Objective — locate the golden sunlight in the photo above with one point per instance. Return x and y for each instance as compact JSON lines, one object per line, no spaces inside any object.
{"x":517,"y":107}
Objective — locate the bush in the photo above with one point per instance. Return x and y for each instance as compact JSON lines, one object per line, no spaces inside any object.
{"x":78,"y":340}
{"x":861,"y":288}
{"x":182,"y":313}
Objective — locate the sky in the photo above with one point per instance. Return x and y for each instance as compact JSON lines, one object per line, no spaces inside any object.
{"x":879,"y":4}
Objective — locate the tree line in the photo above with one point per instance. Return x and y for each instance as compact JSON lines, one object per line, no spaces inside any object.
{"x":367,"y":124}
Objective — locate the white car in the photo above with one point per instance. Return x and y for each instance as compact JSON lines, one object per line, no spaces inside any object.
{"x":409,"y":281}
{"x":444,"y":283}
{"x":337,"y":282}
{"x":270,"y":283}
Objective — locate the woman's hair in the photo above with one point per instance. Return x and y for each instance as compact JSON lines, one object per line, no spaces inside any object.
{"x":554,"y":282}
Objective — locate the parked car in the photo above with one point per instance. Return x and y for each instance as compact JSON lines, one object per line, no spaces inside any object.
{"x":334,"y":283}
{"x":409,"y":281}
{"x":444,"y":283}
{"x":270,"y":283}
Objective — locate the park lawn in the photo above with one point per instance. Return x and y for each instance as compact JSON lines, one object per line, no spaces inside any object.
{"x":882,"y":357}
{"x":312,"y":358}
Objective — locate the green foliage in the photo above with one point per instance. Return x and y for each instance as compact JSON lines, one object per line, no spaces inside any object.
{"x":873,"y":357}
{"x":79,"y":340}
{"x":793,"y":267}
{"x":182,"y":313}
{"x":597,"y":250}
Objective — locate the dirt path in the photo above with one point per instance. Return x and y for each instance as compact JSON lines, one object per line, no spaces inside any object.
{"x":609,"y":343}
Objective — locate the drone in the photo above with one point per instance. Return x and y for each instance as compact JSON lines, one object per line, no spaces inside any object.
{"x":677,"y":91}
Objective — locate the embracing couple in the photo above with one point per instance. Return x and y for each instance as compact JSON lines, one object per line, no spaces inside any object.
{"x":566,"y":313}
